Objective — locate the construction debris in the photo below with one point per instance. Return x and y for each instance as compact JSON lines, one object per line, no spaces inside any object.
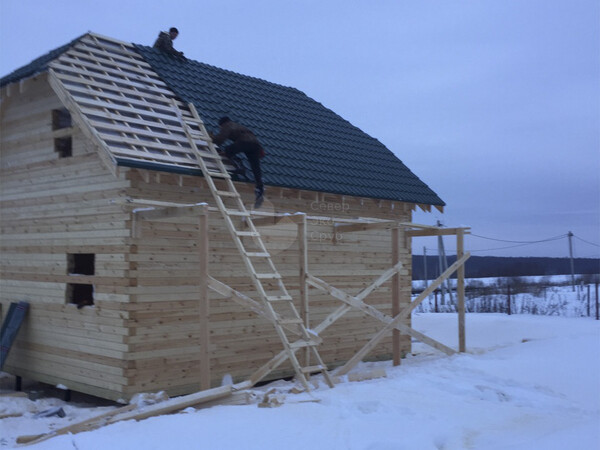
{"x":58,"y":411}
{"x":272,"y":399}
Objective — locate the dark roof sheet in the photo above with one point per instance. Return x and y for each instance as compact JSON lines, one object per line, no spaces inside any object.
{"x":308,"y":146}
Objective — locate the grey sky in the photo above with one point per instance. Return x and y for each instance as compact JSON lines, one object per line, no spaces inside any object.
{"x":494,"y":104}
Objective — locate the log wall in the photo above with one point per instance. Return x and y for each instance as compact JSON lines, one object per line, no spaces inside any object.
{"x":53,"y":206}
{"x":143,"y":331}
{"x":166,"y":293}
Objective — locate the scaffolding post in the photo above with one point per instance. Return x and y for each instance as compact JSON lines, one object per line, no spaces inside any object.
{"x":460,"y":291}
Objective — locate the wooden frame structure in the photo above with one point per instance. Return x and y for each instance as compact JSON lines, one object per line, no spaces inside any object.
{"x":392,"y":323}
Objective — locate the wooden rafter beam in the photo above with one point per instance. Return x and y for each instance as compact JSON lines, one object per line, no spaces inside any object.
{"x":347,"y":228}
{"x":437,"y":232}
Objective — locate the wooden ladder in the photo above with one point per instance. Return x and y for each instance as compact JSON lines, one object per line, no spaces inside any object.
{"x":257,"y":259}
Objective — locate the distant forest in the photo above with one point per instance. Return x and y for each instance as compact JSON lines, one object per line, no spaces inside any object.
{"x":493,"y":266}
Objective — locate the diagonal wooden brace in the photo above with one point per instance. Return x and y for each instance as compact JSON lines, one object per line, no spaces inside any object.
{"x":397,"y":319}
{"x":371,"y":311}
{"x":253,"y":305}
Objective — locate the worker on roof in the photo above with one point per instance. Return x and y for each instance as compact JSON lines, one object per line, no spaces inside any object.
{"x":165,"y":40}
{"x":244,"y":141}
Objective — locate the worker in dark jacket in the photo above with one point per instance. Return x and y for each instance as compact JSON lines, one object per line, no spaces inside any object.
{"x":165,"y":40}
{"x":244,"y":141}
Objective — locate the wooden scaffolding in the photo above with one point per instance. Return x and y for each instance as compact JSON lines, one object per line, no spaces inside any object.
{"x":390,"y":323}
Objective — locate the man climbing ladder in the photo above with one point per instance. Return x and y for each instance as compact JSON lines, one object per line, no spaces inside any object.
{"x":244,"y":141}
{"x":267,"y":281}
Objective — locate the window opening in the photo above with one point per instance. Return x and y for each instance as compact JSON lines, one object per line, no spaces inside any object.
{"x":61,"y":118}
{"x":80,"y":294}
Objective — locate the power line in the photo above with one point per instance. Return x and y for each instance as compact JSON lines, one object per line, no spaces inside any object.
{"x":562,"y":236}
{"x":520,"y":243}
{"x":587,"y":242}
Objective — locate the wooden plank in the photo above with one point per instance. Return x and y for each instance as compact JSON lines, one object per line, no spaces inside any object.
{"x":86,"y":425}
{"x":170,"y":212}
{"x":204,"y":310}
{"x":396,"y":356}
{"x":342,"y":228}
{"x":399,"y":317}
{"x":74,"y":109}
{"x":175,"y":404}
{"x":460,"y":292}
{"x":437,"y":232}
{"x":303,"y":265}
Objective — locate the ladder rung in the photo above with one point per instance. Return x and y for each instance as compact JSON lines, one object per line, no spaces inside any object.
{"x":302,"y":344}
{"x":232,"y":212}
{"x":257,"y":255}
{"x":311,"y":369}
{"x":293,"y":321}
{"x":267,"y":276}
{"x":208,"y":155}
{"x":247,"y":233}
{"x":218,"y":174}
{"x":227,"y":194}
{"x":278,"y":298}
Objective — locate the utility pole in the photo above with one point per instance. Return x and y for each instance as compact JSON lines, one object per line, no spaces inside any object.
{"x":571,"y":256}
{"x":443,"y":267}
{"x":425,"y":267}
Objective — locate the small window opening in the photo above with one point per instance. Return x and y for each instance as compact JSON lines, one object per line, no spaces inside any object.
{"x":61,"y":118}
{"x":64,"y":147}
{"x":80,"y":264}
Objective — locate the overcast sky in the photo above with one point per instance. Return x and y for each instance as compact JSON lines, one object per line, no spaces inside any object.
{"x":494,"y":104}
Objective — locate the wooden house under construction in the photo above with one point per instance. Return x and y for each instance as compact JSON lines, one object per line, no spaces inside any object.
{"x":143,"y":267}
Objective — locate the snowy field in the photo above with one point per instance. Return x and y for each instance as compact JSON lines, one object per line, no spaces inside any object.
{"x":547,"y":296}
{"x":527,"y":382}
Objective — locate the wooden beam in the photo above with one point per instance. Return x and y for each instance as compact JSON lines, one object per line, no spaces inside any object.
{"x":399,"y":317}
{"x":437,"y":232}
{"x":204,"y":311}
{"x":86,"y":425}
{"x":460,"y":292}
{"x":69,"y":103}
{"x":371,"y":311}
{"x":348,"y":228}
{"x":276,"y":219}
{"x":303,"y":272}
{"x":253,"y":305}
{"x":356,"y":301}
{"x":385,"y":276}
{"x":175,"y":404}
{"x":171,"y":212}
{"x":405,"y":329}
{"x":396,"y":356}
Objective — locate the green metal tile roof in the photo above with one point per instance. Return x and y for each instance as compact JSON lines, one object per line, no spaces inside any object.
{"x":308,"y":146}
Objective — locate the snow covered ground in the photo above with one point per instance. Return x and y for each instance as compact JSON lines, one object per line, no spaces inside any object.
{"x":527,"y":382}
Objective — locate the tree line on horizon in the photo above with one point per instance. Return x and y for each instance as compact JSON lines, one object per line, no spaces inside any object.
{"x":497,"y":266}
